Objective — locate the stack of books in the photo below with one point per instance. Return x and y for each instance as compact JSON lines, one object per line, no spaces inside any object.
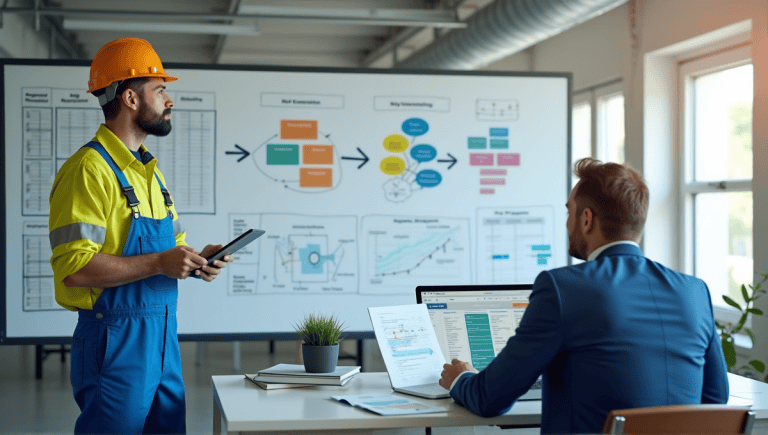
{"x":294,"y":375}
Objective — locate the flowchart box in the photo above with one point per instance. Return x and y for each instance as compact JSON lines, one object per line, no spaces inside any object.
{"x":298,"y":129}
{"x":509,"y":159}
{"x":318,"y":154}
{"x":477,"y":143}
{"x":316,"y":177}
{"x":282,"y":154}
{"x":481,"y":159}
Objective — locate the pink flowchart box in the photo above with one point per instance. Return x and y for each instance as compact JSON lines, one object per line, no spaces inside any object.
{"x":481,"y":159}
{"x":492,"y":181}
{"x":487,"y":191}
{"x":509,"y":159}
{"x":493,"y":172}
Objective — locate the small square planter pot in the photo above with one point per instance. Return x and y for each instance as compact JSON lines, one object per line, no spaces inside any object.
{"x":320,"y":359}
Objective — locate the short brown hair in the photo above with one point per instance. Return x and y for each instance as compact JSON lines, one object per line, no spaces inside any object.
{"x":113,"y":107}
{"x":616,"y":194}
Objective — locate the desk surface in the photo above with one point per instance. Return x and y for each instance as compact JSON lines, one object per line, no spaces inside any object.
{"x":246,"y":407}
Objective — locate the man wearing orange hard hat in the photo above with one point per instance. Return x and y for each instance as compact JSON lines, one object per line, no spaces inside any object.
{"x":118,"y":251}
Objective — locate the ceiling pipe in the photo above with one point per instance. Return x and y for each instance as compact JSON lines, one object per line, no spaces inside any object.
{"x":503,"y":28}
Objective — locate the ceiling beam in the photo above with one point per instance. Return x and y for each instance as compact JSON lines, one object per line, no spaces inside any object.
{"x":366,"y":17}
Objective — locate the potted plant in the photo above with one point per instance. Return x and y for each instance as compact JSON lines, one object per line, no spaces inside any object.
{"x":320,"y":336}
{"x":728,"y":330}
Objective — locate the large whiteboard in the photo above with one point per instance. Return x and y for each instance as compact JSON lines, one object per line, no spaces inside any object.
{"x":465,"y":182}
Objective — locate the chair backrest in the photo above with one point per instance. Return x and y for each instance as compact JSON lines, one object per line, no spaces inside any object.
{"x":681,"y":419}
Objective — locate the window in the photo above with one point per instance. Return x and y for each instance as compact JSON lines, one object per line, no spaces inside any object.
{"x":598,"y":123}
{"x":716,"y":188}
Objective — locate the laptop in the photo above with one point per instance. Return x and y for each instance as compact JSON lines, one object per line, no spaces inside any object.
{"x":474,"y":322}
{"x":410,"y":349}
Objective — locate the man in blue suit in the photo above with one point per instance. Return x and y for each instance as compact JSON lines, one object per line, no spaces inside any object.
{"x":618,"y":331}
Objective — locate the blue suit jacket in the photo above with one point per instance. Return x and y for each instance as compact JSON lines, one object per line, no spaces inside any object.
{"x":617,"y":332}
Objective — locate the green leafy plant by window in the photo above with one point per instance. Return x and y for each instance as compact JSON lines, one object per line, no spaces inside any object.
{"x":319,"y":330}
{"x":728,"y":330}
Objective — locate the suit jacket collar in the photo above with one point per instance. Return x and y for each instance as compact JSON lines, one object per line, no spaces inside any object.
{"x":621,"y":249}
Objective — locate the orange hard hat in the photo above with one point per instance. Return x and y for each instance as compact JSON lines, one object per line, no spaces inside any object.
{"x":122,"y":59}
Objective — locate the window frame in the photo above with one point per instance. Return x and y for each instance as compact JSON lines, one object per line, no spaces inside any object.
{"x":688,"y":70}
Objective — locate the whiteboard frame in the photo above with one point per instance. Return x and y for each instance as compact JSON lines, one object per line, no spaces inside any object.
{"x":267,"y":68}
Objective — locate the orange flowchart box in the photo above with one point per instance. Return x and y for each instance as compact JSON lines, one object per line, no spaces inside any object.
{"x":298,"y":129}
{"x":316,"y":177}
{"x":318,"y":154}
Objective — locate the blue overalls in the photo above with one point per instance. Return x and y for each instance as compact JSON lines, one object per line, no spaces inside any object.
{"x":130,"y":380}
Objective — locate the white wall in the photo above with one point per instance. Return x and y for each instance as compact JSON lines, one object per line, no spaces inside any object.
{"x":599,"y":50}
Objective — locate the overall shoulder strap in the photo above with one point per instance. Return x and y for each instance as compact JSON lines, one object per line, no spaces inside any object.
{"x":125,"y":186}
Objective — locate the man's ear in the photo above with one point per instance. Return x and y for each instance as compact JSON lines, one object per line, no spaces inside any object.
{"x":587,"y":220}
{"x":130,"y":99}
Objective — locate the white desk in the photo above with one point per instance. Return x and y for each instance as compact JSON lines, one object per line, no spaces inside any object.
{"x":241,"y":406}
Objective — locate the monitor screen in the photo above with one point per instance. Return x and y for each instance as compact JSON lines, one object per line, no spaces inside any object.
{"x":473,"y":323}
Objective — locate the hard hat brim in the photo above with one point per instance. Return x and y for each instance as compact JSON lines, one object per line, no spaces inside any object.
{"x":165,"y":77}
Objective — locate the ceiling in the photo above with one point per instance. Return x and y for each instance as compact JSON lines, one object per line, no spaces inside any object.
{"x":335,"y":33}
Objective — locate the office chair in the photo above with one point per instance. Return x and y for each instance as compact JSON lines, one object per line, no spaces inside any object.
{"x":681,"y":419}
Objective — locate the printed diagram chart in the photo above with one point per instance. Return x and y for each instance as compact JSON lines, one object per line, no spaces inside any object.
{"x":407,"y":341}
{"x":401,"y":253}
{"x":404,"y":165}
{"x":514,"y":244}
{"x":300,"y":157}
{"x":309,"y":254}
{"x":497,"y":110}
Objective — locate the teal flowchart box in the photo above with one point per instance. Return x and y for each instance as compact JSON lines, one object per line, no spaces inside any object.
{"x":499,"y":143}
{"x":282,"y":154}
{"x":477,"y":143}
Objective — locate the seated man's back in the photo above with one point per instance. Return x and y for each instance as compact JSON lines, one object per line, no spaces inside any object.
{"x":619,"y":331}
{"x":634,"y":334}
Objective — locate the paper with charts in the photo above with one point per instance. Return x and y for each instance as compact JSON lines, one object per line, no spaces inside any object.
{"x":408,"y":344}
{"x":388,"y":404}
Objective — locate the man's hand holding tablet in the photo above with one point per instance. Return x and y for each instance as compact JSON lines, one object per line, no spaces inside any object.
{"x":218,"y":255}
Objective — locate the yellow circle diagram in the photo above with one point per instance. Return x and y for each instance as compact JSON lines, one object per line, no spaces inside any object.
{"x":396,"y":143}
{"x":392,"y":165}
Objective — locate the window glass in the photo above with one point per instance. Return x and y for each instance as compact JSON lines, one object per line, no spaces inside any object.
{"x":723,"y":241}
{"x":610,"y":124}
{"x":723,"y":125}
{"x":581,"y":132}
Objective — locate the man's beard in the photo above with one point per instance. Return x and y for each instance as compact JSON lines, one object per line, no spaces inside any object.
{"x":154,"y":125}
{"x":577,"y":247}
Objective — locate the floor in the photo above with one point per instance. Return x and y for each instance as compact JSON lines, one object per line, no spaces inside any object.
{"x":28,"y":405}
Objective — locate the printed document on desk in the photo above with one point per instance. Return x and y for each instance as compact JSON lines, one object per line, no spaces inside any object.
{"x":410,"y":349}
{"x":388,"y":404}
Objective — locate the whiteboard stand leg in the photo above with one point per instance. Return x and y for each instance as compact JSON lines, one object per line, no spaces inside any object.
{"x":200,"y":350}
{"x":236,"y":356}
{"x":360,"y":352}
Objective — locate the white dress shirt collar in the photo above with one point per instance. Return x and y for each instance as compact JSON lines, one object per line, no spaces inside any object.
{"x":600,"y":250}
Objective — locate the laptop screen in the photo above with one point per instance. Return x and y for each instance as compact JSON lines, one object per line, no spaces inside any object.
{"x":474,"y":322}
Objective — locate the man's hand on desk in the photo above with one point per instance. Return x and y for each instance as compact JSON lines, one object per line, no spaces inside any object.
{"x":452,"y":370}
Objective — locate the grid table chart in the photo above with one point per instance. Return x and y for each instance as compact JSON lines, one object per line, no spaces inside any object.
{"x":514,"y":245}
{"x":37,"y":159}
{"x":38,"y":276}
{"x":185,"y":157}
{"x":75,"y":127}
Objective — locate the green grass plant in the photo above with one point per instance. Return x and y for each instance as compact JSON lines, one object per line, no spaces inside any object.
{"x":320,"y":330}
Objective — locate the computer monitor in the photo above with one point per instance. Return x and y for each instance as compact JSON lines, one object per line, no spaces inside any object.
{"x":474,"y":322}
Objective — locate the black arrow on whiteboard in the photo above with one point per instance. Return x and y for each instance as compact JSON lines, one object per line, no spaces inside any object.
{"x":452,"y":161}
{"x":242,"y":151}
{"x":364,"y":158}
